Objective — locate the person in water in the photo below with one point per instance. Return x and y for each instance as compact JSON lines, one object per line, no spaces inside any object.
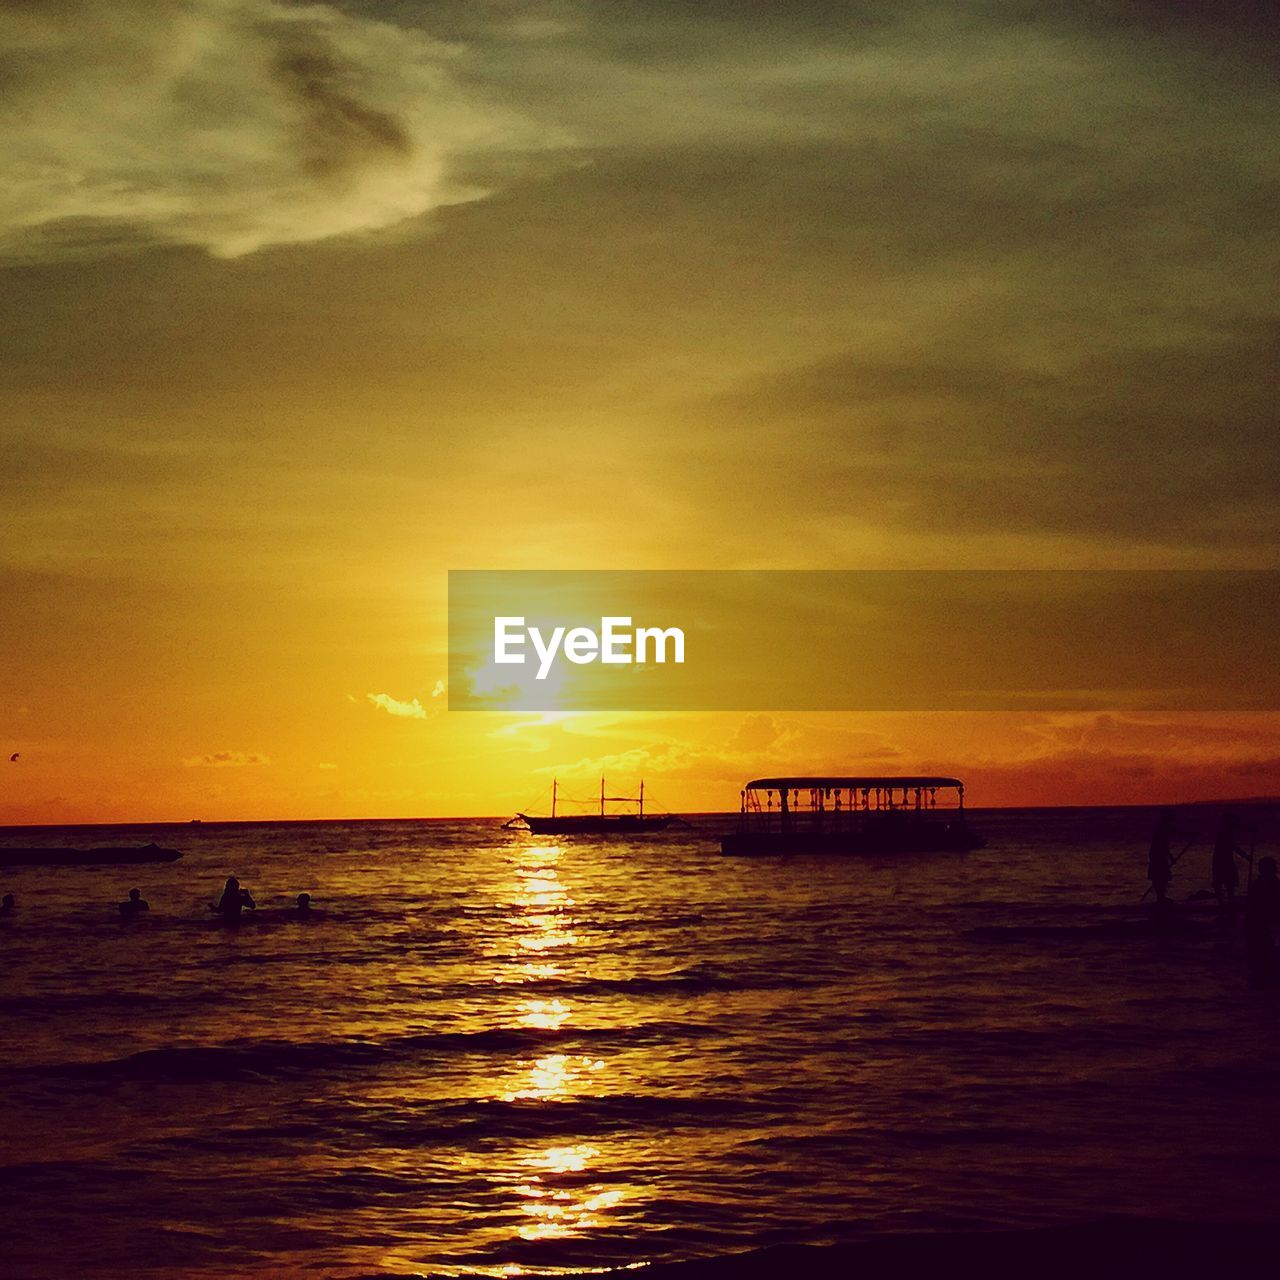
{"x":1160,"y":856}
{"x":303,"y":904}
{"x":134,"y":905}
{"x":1262,"y":922}
{"x":8,"y":905}
{"x":235,"y":898}
{"x":1226,"y":879}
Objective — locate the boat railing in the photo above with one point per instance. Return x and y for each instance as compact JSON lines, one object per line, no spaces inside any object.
{"x":848,"y":808}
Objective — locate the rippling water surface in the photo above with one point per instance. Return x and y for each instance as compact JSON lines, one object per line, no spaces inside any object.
{"x":493,"y":1053}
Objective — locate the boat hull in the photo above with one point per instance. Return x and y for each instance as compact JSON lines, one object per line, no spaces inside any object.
{"x":49,"y":857}
{"x":848,"y":843}
{"x":593,"y":825}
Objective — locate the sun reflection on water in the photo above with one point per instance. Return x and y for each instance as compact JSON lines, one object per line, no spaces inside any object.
{"x":549,"y":1015}
{"x":557,"y":1210}
{"x":540,"y":923}
{"x":557,"y":1188}
{"x":551,"y":1078}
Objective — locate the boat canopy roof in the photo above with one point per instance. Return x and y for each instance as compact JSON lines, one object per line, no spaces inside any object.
{"x":831,"y":784}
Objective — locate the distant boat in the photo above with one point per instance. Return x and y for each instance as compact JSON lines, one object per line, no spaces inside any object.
{"x":596,"y":824}
{"x":112,"y":855}
{"x":851,"y":815}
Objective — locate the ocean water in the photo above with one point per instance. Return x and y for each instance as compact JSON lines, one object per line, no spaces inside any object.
{"x":498,"y":1054}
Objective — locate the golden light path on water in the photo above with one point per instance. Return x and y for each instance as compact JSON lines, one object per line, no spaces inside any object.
{"x":554,"y":1190}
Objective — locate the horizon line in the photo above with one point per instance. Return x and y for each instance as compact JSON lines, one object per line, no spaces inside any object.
{"x":1258,"y":801}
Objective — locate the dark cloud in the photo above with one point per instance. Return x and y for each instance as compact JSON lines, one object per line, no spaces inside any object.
{"x":228,"y":124}
{"x":339,"y":129}
{"x":926,"y":269}
{"x":1174,"y":443}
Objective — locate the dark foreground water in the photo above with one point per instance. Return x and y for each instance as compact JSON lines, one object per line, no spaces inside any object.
{"x":497,"y":1054}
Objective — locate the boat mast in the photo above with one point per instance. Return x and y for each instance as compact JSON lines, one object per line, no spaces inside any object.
{"x":555,"y":782}
{"x":602,"y":797}
{"x":642,"y":797}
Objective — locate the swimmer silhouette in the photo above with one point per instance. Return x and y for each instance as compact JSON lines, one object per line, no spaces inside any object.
{"x":234,"y":899}
{"x":134,"y":905}
{"x":303,"y":910}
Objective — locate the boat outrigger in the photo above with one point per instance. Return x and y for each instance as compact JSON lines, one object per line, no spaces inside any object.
{"x":104,"y":857}
{"x":596,"y":824}
{"x":854,"y":815}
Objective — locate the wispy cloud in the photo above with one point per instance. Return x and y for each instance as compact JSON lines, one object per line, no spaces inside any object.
{"x":412,"y":710}
{"x":760,"y":744}
{"x":228,"y":124}
{"x":225,"y":759}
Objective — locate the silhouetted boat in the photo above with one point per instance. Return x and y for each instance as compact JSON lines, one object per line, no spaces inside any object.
{"x":118,"y":855}
{"x":855,"y":815}
{"x":597,"y":824}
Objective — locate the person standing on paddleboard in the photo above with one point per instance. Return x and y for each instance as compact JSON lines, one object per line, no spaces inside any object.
{"x":1226,"y":879}
{"x":1160,"y":856}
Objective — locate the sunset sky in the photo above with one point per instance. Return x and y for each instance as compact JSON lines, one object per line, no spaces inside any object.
{"x":302,"y":306}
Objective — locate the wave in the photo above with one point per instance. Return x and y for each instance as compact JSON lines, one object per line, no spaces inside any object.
{"x":693,"y":980}
{"x":1104,"y":930}
{"x":56,"y":1004}
{"x":1105,"y":1249}
{"x":509,"y":1119}
{"x":238,"y":1060}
